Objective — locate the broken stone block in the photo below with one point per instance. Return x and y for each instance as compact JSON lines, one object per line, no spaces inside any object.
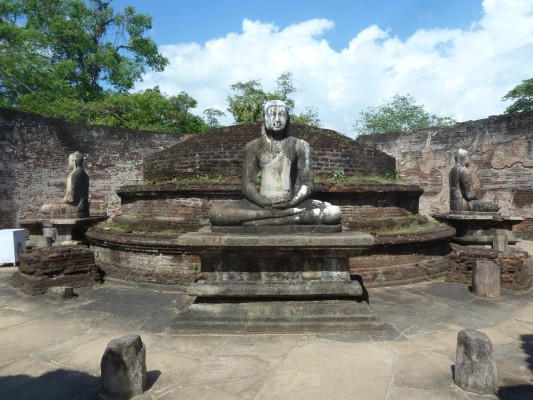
{"x":486,"y":279}
{"x":123,"y":368}
{"x":60,"y":293}
{"x":475,"y":369}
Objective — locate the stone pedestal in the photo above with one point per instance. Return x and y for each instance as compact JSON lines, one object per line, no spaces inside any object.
{"x":486,"y":279}
{"x":58,"y":231}
{"x":276,"y":283}
{"x":474,"y":228}
{"x":48,"y":267}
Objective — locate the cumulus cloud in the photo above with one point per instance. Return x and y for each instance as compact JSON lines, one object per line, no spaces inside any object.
{"x":463,"y":73}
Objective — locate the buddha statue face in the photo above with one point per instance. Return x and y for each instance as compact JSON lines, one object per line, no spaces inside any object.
{"x":75,"y":160}
{"x":462,"y":157}
{"x":72,"y":162}
{"x":276,"y":116}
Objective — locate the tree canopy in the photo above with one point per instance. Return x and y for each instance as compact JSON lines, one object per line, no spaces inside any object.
{"x":148,"y":110}
{"x":397,"y":114}
{"x":68,"y":49}
{"x":247,"y":99}
{"x":522,"y":95}
{"x":77,"y":60}
{"x":59,"y":54}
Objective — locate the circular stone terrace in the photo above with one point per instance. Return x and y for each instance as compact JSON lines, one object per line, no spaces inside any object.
{"x":183,"y":182}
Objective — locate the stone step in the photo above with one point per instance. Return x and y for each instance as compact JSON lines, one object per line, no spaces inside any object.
{"x":275,"y":289}
{"x":278,"y":317}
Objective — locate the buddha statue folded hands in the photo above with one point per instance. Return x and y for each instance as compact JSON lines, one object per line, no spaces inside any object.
{"x":285,"y":166}
{"x":462,"y":195}
{"x":75,"y":203}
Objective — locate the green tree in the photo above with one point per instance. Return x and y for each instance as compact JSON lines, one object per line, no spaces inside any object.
{"x":246,"y":101}
{"x":212,"y":115}
{"x":285,"y":88}
{"x":522,"y":95}
{"x":65,"y":51}
{"x":308,"y":117}
{"x":148,"y":110}
{"x":398,"y":114}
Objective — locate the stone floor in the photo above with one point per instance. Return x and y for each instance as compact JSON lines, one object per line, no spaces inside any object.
{"x":53,"y":350}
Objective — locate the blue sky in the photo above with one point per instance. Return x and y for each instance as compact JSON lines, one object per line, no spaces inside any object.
{"x":201,"y":20}
{"x":456,"y":57}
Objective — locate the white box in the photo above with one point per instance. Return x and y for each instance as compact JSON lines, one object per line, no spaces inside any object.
{"x":12,"y":244}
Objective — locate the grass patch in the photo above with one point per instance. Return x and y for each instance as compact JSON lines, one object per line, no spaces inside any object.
{"x":138,"y":227}
{"x":203,"y":179}
{"x":113,"y":226}
{"x":407,"y":229}
{"x":338,"y":177}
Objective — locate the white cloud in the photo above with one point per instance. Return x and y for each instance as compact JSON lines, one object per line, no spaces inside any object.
{"x":456,"y":72}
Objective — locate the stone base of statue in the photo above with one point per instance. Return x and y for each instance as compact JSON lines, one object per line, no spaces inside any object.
{"x":276,"y":282}
{"x":45,"y":232}
{"x":476,"y":228}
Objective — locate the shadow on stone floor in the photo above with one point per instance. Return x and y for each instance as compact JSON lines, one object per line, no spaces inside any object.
{"x":58,"y":384}
{"x":520,"y":392}
{"x":527,"y":346}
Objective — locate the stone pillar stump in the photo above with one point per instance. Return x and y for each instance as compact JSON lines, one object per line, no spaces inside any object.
{"x":123,"y":368}
{"x":486,"y":279}
{"x":500,"y":242}
{"x":475,"y":369}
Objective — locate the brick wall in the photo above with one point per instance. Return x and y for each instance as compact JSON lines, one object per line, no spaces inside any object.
{"x":513,"y":266}
{"x":33,"y":162}
{"x":501,"y":149}
{"x":219,"y":153}
{"x":175,"y":206}
{"x":34,"y":151}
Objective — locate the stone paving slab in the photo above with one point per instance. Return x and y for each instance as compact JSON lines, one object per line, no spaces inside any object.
{"x":53,"y":350}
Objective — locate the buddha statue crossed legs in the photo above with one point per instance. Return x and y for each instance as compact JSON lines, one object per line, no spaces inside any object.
{"x":75,"y":204}
{"x":462,"y":195}
{"x":285,"y":165}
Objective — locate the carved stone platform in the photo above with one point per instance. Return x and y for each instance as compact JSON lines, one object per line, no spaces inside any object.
{"x":58,"y":231}
{"x":276,"y":283}
{"x":479,"y":228}
{"x":279,"y":317}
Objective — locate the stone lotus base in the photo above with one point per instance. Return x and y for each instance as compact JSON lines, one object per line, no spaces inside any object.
{"x":479,"y":228}
{"x":267,"y":283}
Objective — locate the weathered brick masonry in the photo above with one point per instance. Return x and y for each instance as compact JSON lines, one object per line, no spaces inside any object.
{"x":48,"y":267}
{"x":219,"y":153}
{"x":501,"y":149}
{"x":33,"y":162}
{"x":513,"y":266}
{"x":34,"y":151}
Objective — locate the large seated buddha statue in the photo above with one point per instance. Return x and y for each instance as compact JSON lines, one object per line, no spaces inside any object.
{"x":285,"y":167}
{"x":75,"y":203}
{"x":462,"y":195}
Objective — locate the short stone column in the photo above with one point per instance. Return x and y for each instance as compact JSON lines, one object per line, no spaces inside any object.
{"x":123,"y":368}
{"x":500,"y":242}
{"x":475,"y":369}
{"x":486,"y":279}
